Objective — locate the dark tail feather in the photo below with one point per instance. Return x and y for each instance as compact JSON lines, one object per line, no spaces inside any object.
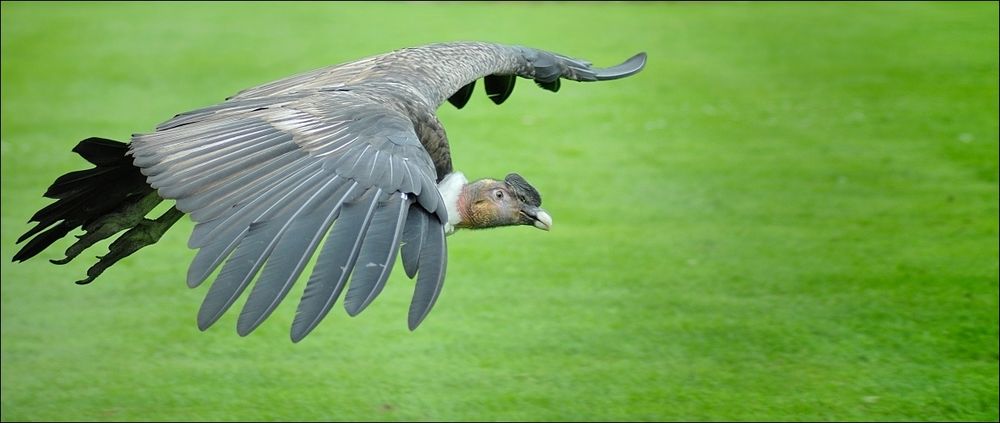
{"x":104,"y":200}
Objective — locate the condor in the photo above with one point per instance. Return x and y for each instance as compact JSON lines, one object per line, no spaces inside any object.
{"x":351,"y":157}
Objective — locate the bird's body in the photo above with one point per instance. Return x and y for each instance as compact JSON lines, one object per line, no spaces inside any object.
{"x":350,"y":157}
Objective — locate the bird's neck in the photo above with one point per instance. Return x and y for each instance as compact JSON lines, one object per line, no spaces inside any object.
{"x":453,"y":191}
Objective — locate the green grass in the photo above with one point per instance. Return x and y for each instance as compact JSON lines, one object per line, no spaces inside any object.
{"x":790,"y":214}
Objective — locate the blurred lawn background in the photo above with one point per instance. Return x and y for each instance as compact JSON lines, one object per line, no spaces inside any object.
{"x":791,"y":214}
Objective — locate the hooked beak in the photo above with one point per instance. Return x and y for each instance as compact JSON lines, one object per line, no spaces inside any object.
{"x":539,"y":218}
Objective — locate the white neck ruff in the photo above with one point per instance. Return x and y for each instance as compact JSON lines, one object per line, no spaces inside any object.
{"x":450,"y":188}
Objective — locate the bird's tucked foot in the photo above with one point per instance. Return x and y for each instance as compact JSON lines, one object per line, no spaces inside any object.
{"x":144,"y":233}
{"x":126,"y":217}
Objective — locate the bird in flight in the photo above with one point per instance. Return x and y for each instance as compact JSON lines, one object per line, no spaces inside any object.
{"x":349,"y":160}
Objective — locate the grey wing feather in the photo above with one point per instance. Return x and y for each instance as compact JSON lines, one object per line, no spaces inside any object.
{"x":227,"y":109}
{"x":212,"y":254}
{"x":378,"y":252}
{"x":240,"y":201}
{"x":254,"y":250}
{"x":237,"y":272}
{"x":630,"y":67}
{"x":222,"y":235}
{"x":430,"y":280}
{"x":288,"y":261}
{"x":413,"y":239}
{"x":546,"y":66}
{"x":335,"y":263}
{"x":250,"y":209}
{"x":219,"y":200}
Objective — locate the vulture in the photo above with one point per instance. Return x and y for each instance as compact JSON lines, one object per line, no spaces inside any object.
{"x":346,"y":163}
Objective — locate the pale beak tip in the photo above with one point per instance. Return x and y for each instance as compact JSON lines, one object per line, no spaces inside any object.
{"x":543,"y":221}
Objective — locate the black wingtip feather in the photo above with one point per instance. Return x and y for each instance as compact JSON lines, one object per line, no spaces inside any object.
{"x":499,"y":87}
{"x":550,"y":85}
{"x":462,"y":96}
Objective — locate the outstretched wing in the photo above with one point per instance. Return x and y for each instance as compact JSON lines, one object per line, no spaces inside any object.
{"x":268,"y":181}
{"x":428,"y":76}
{"x":448,"y":71}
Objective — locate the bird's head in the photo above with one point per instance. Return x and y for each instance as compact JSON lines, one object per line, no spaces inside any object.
{"x":489,"y":203}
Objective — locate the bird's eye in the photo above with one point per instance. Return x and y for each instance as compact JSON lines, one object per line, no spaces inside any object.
{"x":498,"y":194}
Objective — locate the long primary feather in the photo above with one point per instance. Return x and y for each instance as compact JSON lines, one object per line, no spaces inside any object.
{"x":413,"y":239}
{"x":378,"y":252}
{"x":253,"y":251}
{"x":430,"y":280}
{"x":335,"y":263}
{"x":288,"y":261}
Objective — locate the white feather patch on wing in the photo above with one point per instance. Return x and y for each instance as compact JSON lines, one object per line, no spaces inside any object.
{"x":450,"y":188}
